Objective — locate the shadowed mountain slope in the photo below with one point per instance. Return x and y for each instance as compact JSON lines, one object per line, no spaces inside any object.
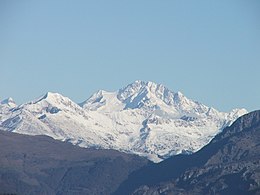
{"x":42,"y":165}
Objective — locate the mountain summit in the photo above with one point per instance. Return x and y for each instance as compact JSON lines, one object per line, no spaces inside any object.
{"x":9,"y":102}
{"x":144,"y":118}
{"x":145,"y":94}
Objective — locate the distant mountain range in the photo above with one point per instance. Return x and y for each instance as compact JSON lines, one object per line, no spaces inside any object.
{"x":229,"y":164}
{"x":143,"y":118}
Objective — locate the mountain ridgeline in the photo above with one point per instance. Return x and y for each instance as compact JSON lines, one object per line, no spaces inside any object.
{"x":143,"y":118}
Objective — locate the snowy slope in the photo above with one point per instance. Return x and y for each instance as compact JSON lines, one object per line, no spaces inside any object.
{"x":144,"y":118}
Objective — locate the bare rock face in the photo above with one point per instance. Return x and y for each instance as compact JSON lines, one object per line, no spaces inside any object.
{"x":230,"y":164}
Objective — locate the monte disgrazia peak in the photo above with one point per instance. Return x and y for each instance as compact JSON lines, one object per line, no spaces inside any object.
{"x":142,"y":118}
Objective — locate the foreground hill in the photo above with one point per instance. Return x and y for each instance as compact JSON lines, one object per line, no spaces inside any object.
{"x":42,"y":165}
{"x":230,"y":164}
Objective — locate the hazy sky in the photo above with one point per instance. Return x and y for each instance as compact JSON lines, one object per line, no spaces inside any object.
{"x":209,"y":50}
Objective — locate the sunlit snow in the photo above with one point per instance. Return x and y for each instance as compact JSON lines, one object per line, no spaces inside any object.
{"x":143,"y":118}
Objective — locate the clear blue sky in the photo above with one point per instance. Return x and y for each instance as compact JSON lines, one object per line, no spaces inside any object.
{"x":209,"y":50}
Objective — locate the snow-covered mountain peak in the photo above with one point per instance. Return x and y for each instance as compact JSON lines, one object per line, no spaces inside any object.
{"x":144,"y":118}
{"x":138,"y":87}
{"x":238,"y":112}
{"x":53,"y":103}
{"x":179,"y":98}
{"x":235,"y":113}
{"x":152,"y":96}
{"x":103,"y":100}
{"x":183,"y":104}
{"x":9,"y":102}
{"x":52,"y":98}
{"x":145,"y":94}
{"x":99,"y":94}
